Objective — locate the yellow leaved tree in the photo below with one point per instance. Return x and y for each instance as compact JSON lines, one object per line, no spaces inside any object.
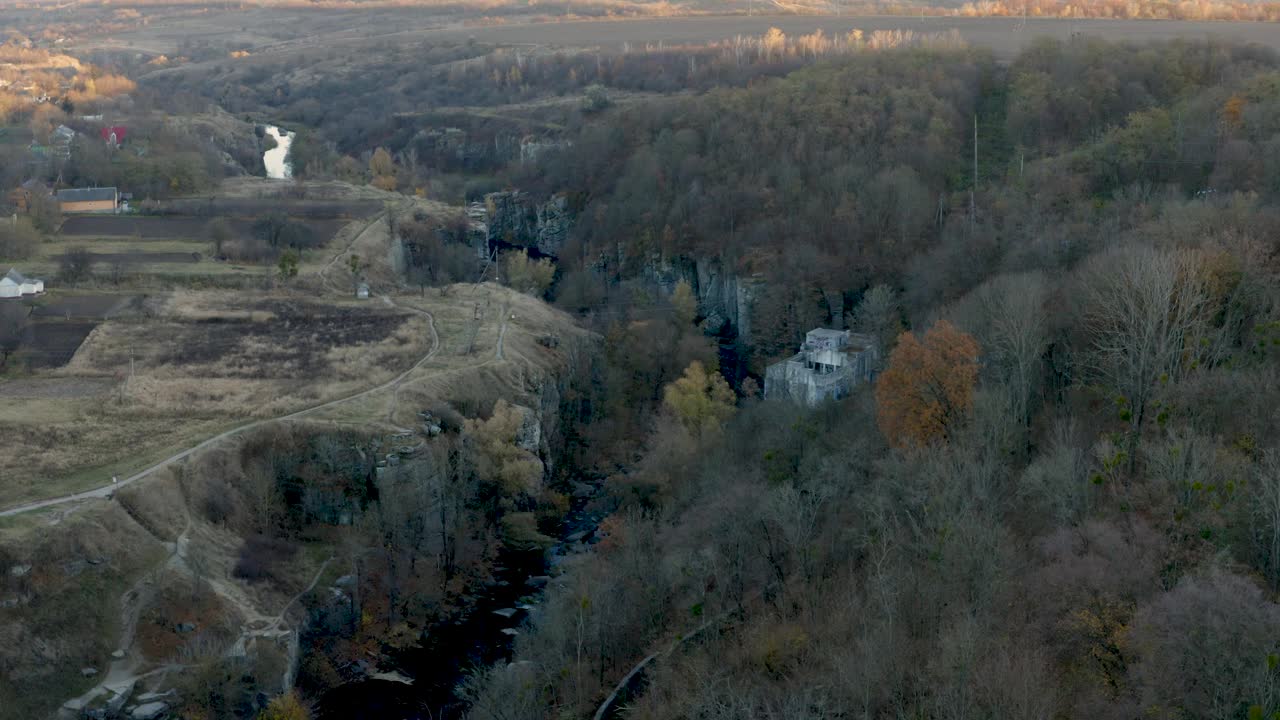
{"x":701,"y":400}
{"x":285,"y":707}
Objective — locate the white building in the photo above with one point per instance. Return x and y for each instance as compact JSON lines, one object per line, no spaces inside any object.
{"x":15,"y":284}
{"x":830,"y":363}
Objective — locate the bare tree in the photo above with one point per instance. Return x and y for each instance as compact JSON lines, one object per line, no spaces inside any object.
{"x":1264,"y":517}
{"x":1146,"y":311}
{"x":263,"y":494}
{"x":1007,"y":316}
{"x":13,"y":323}
{"x":1206,"y":649}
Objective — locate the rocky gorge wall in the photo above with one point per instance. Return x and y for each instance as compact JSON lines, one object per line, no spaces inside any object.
{"x":517,"y":219}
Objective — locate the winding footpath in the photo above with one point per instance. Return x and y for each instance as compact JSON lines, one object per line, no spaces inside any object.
{"x":108,"y":489}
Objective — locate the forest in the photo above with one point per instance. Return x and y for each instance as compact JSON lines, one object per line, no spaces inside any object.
{"x":1060,"y":497}
{"x":1059,"y":500}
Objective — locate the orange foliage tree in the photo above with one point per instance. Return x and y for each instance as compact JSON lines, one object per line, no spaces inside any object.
{"x":928,"y":385}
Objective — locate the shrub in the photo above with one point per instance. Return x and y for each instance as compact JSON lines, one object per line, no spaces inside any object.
{"x":75,"y":265}
{"x":263,"y":558}
{"x":18,"y":239}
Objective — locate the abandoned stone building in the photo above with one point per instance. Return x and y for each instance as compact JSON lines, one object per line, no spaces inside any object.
{"x":829,"y":365}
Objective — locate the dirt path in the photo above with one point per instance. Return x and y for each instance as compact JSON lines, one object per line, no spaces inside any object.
{"x":324,"y":272}
{"x":435,"y":343}
{"x":123,"y":673}
{"x":502,"y":332}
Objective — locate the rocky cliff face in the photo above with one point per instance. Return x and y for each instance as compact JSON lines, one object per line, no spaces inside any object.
{"x":516,"y":219}
{"x":724,"y":299}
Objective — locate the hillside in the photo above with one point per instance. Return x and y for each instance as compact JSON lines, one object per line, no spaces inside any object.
{"x":122,"y":573}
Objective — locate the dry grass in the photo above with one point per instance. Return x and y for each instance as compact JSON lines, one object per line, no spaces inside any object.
{"x":78,"y":575}
{"x":475,"y":378}
{"x":205,"y":363}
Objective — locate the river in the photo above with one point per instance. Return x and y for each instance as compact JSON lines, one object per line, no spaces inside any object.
{"x":275,"y":159}
{"x":480,"y":635}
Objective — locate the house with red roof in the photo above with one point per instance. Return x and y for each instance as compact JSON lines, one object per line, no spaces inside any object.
{"x":114,"y":135}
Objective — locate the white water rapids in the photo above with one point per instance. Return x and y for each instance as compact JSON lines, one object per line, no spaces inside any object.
{"x":277,"y":166}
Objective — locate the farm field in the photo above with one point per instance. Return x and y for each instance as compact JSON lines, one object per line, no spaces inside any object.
{"x":202,"y":362}
{"x":169,"y":250}
{"x":225,"y":361}
{"x":135,"y":260}
{"x":329,"y":203}
{"x":81,"y":306}
{"x":51,"y":343}
{"x":174,"y":227}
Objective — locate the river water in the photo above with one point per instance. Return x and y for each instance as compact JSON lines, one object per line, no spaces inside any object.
{"x":478,"y":636}
{"x":275,"y":159}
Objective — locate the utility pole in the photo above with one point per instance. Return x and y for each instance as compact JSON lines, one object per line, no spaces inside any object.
{"x":973,"y":191}
{"x":476,"y":319}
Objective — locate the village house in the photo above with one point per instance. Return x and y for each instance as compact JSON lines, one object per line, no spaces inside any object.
{"x":88,"y":200}
{"x":113,"y":136}
{"x":60,"y":142}
{"x":829,"y":365}
{"x":22,"y":197}
{"x":15,"y":285}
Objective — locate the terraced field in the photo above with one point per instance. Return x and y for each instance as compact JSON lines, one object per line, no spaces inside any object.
{"x":177,"y":227}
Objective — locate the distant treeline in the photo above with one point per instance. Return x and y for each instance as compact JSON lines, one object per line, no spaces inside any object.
{"x":498,"y":10}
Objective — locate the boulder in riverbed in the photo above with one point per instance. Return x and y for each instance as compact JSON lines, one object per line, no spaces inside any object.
{"x":150,"y":711}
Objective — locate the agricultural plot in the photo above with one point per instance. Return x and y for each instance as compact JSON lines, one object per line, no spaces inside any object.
{"x":176,"y":227}
{"x":142,"y":257}
{"x":97,"y":306}
{"x":56,"y":388}
{"x":119,"y":394}
{"x":52,"y":343}
{"x":173,"y":250}
{"x":234,"y":207}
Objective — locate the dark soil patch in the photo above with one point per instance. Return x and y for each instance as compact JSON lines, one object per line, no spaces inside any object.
{"x":53,"y":388}
{"x":140,"y":257}
{"x":295,"y":340}
{"x":185,"y":227}
{"x":52,"y":343}
{"x":318,"y":209}
{"x":82,"y":306}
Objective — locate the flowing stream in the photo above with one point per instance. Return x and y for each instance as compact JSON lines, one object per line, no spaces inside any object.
{"x":275,"y":159}
{"x":480,"y":635}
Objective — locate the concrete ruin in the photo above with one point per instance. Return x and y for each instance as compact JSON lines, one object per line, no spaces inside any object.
{"x":829,"y":365}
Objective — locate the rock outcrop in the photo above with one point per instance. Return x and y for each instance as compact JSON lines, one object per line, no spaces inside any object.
{"x":724,"y":299}
{"x":515,"y":219}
